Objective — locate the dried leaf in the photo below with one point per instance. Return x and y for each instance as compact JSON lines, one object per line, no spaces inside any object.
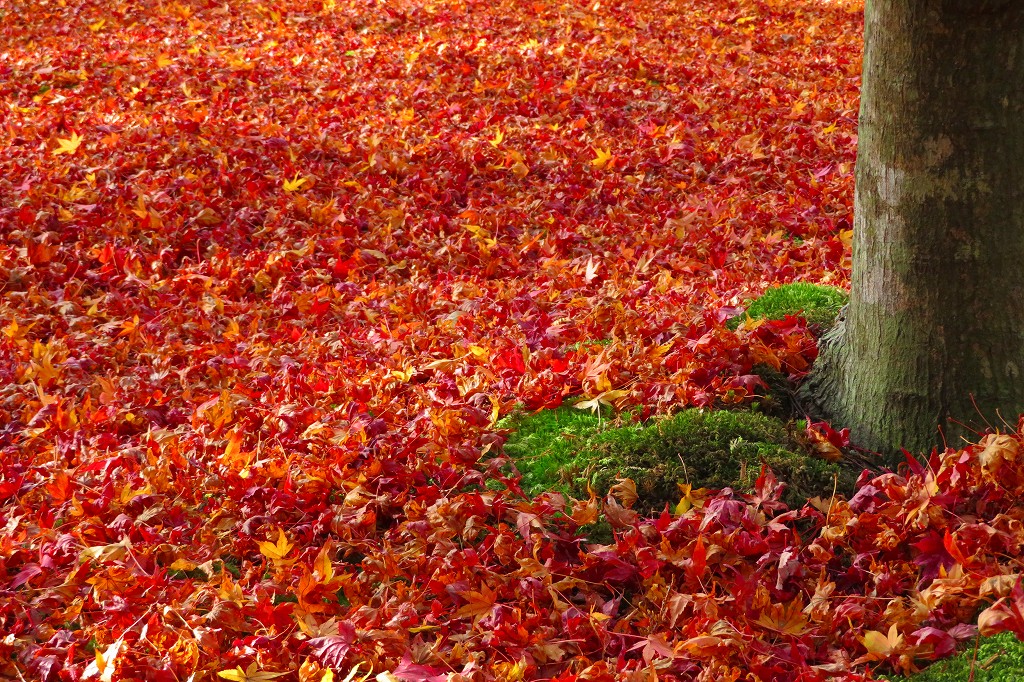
{"x":67,"y":145}
{"x":276,"y":550}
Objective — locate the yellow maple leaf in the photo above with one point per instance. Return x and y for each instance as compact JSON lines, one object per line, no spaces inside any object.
{"x":68,"y":146}
{"x":604,"y":398}
{"x":276,"y":551}
{"x":323,"y":567}
{"x":105,"y":663}
{"x":520,"y":169}
{"x":233,"y":449}
{"x":691,"y":499}
{"x":403,"y":375}
{"x":510,"y":671}
{"x":250,"y":674}
{"x":603,"y":159}
{"x":880,"y":646}
{"x":294,"y":184}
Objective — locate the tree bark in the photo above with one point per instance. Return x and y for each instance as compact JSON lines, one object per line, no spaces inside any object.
{"x":932,"y":345}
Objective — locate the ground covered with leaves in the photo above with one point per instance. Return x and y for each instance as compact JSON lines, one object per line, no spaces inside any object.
{"x":273,"y":272}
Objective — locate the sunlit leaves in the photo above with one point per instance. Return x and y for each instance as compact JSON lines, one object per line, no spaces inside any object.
{"x":251,"y":674}
{"x":105,"y":663}
{"x":603,"y":159}
{"x":479,"y":602}
{"x":276,"y":550}
{"x":785,"y":618}
{"x":881,"y":646}
{"x":259,"y":338}
{"x":295,"y":184}
{"x":67,"y":145}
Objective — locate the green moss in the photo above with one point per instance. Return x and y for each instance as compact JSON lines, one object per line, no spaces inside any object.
{"x":999,"y":659}
{"x":543,"y":443}
{"x":570,"y":450}
{"x":817,"y":303}
{"x":776,"y":398}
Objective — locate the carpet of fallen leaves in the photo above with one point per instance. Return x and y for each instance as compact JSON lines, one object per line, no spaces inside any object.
{"x":272,"y":272}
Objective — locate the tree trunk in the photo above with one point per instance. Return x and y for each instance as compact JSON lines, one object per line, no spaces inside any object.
{"x":932,"y":345}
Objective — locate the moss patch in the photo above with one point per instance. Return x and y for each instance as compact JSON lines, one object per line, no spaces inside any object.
{"x":544,"y":443}
{"x":568,"y":450}
{"x":999,"y":659}
{"x":818,"y":304}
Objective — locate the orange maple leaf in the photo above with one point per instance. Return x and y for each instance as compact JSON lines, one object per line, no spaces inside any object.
{"x":479,"y":603}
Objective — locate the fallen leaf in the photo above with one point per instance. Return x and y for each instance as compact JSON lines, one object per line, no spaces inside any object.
{"x":250,"y":674}
{"x":276,"y":550}
{"x":67,"y":145}
{"x":295,"y":184}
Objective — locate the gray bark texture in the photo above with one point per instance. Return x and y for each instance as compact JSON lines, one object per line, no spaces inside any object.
{"x":931,"y":349}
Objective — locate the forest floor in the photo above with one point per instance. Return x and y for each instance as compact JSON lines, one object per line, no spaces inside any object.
{"x":273,"y":272}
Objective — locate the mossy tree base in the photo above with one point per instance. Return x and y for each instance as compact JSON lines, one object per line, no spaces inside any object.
{"x":931,"y":348}
{"x":817,"y":303}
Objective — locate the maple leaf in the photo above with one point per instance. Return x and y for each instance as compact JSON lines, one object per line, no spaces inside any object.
{"x":276,"y":551}
{"x":699,"y":560}
{"x":825,"y":441}
{"x":1005,"y":614}
{"x":933,"y":642}
{"x":818,"y":606}
{"x":999,"y":450}
{"x":520,"y":169}
{"x":880,"y":647}
{"x":655,"y":646}
{"x":702,"y":644}
{"x":61,"y":488}
{"x":691,"y":499}
{"x":618,"y":516}
{"x":604,"y":398}
{"x":603,"y":159}
{"x":104,"y":663}
{"x":768,"y":491}
{"x":624,"y":491}
{"x":585,"y":512}
{"x":250,"y":674}
{"x":788,"y":619}
{"x":67,"y":145}
{"x":350,"y":677}
{"x":789,"y":565}
{"x":107,"y":553}
{"x":331,"y":650}
{"x":480,"y":603}
{"x":408,"y":671}
{"x":294,"y":184}
{"x":312,"y":629}
{"x":323,"y":567}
